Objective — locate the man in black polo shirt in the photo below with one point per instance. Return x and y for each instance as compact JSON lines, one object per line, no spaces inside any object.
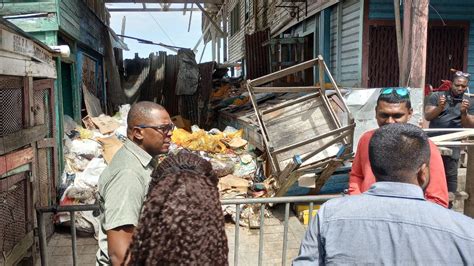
{"x":451,"y":109}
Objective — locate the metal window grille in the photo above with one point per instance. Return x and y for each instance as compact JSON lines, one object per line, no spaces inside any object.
{"x":11,"y":107}
{"x":13,"y":221}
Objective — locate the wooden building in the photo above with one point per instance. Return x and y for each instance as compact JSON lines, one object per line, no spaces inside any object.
{"x":28,"y":150}
{"x":83,"y":27}
{"x":356,"y":37}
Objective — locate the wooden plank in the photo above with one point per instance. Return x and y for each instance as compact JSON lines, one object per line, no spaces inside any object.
{"x":218,"y":2}
{"x":453,"y":136}
{"x":22,"y":138}
{"x":46,"y":143}
{"x":19,"y":250}
{"x":37,"y":24}
{"x":327,"y":134}
{"x":286,"y":180}
{"x":27,"y":8}
{"x":282,"y":73}
{"x":18,"y":170}
{"x":469,"y":188}
{"x":326,"y":174}
{"x":15,"y":159}
{"x":289,"y":103}
{"x":285,"y":89}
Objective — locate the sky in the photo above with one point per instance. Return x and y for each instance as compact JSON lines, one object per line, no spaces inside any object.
{"x":170,"y":28}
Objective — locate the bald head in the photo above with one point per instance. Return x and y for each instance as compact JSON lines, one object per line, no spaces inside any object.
{"x":142,"y":113}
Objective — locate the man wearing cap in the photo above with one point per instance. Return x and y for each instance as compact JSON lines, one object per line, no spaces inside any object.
{"x":394,"y":106}
{"x":451,"y":109}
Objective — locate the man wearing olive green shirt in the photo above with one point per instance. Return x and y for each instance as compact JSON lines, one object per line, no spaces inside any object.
{"x":124,"y":183}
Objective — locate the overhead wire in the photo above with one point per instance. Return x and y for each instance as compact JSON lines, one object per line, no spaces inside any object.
{"x":162,"y":29}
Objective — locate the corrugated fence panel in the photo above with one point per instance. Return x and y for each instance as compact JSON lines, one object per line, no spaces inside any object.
{"x":447,"y":9}
{"x":257,"y":55}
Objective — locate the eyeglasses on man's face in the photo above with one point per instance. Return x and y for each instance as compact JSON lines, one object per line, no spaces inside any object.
{"x":166,"y":128}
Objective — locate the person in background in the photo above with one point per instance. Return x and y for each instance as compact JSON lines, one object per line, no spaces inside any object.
{"x":394,"y":106}
{"x":391,"y":223}
{"x":451,"y":109}
{"x":124,"y":183}
{"x":182,"y":222}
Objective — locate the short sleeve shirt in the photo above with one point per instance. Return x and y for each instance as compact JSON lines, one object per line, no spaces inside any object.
{"x":122,"y":189}
{"x":451,"y":115}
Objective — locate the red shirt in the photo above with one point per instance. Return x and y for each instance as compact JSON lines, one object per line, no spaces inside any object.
{"x":361,"y":177}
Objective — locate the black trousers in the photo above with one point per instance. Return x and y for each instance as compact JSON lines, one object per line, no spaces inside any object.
{"x":451,"y":171}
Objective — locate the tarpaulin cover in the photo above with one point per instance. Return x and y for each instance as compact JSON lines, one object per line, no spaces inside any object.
{"x":188,"y":74}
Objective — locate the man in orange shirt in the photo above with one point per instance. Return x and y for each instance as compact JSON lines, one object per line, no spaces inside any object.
{"x":394,"y":106}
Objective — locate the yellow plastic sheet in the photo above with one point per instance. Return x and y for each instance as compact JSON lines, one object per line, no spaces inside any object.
{"x":202,"y":141}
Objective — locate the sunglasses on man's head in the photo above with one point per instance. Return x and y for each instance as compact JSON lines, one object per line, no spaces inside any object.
{"x":462,"y":74}
{"x":164,"y":128}
{"x":402,"y":92}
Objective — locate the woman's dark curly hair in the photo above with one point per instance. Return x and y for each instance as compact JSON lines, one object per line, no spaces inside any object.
{"x":182,"y":220}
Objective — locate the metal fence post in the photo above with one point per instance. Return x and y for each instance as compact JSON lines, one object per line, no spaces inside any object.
{"x":73,"y":237}
{"x":42,"y":238}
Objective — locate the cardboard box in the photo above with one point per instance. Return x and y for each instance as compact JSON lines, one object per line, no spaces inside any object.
{"x":180,"y":122}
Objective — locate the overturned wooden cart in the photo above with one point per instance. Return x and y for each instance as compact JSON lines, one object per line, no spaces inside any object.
{"x":310,"y":132}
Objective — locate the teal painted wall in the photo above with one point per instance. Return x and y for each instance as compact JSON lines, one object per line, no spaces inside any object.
{"x":447,"y":9}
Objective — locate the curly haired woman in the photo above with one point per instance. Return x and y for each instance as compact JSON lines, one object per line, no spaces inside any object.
{"x":182,"y":221}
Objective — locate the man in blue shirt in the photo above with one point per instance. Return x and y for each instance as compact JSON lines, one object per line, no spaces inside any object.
{"x":391,"y":223}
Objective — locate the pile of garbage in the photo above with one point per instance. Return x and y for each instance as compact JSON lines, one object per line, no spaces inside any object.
{"x":87,"y":152}
{"x":238,"y":166}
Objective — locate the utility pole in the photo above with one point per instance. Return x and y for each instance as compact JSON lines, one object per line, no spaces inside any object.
{"x":415,"y":29}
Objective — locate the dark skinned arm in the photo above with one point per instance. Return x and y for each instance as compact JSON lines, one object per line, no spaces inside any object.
{"x":432,"y":112}
{"x":118,"y":241}
{"x":467,"y":120}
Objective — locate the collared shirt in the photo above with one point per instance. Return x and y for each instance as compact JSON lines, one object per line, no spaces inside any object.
{"x":361,"y":177}
{"x":390,"y":224}
{"x":122,"y":189}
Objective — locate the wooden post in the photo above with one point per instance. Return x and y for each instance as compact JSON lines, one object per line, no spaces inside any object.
{"x":469,"y":203}
{"x":396,"y":8}
{"x":224,"y":27}
{"x":415,"y":28}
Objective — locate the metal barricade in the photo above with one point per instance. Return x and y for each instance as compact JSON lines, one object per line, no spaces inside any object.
{"x":72,"y":209}
{"x":276,"y":200}
{"x":237,"y":202}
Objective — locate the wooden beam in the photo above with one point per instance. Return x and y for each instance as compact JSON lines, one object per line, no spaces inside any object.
{"x":20,"y":250}
{"x":22,"y":138}
{"x":15,"y":159}
{"x":290,"y":103}
{"x":151,"y":9}
{"x":208,"y":27}
{"x":286,"y":89}
{"x":415,"y":30}
{"x":319,"y":137}
{"x":164,"y":1}
{"x":282,"y":73}
{"x":326,"y":174}
{"x":453,"y":136}
{"x":469,"y":188}
{"x":218,"y":28}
